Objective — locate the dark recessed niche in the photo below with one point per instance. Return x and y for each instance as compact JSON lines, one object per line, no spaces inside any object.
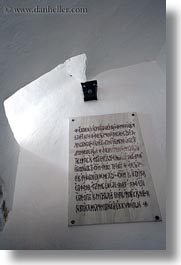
{"x":89,"y":89}
{"x":73,"y":222}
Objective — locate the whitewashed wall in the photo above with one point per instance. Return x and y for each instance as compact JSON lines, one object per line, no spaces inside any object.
{"x":39,"y":217}
{"x":9,"y":152}
{"x":113,"y":34}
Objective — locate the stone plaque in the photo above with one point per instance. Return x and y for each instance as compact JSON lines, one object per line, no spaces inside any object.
{"x":109,"y":175}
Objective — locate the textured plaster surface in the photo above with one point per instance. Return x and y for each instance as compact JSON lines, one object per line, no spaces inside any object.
{"x":113,"y":34}
{"x":39,"y":216}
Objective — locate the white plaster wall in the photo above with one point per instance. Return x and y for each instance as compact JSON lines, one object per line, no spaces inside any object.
{"x":114,"y":34}
{"x":39,"y":217}
{"x":9,"y":152}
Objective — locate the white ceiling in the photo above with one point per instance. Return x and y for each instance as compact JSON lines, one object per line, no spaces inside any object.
{"x":113,"y":34}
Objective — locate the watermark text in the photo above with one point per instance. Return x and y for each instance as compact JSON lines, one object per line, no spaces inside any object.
{"x":58,"y":9}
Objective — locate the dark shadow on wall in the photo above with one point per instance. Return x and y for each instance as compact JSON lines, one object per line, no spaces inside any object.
{"x":9,"y":154}
{"x":172,"y":133}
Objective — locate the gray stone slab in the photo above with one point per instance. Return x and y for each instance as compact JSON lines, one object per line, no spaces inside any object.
{"x":109,"y":175}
